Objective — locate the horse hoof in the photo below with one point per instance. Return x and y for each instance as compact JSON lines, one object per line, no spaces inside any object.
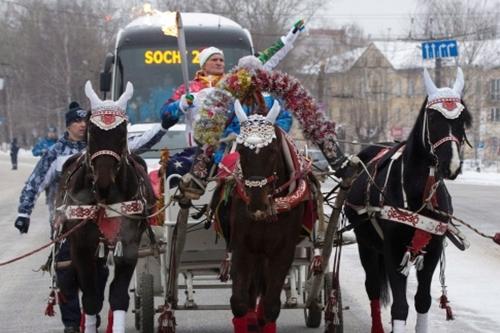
{"x":291,"y":302}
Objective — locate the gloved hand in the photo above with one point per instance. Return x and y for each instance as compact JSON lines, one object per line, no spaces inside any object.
{"x":169,"y":118}
{"x":22,"y":223}
{"x":187,"y":101}
{"x":292,"y":34}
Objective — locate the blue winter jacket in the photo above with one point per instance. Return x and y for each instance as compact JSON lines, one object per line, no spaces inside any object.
{"x":42,"y":146}
{"x":47,"y":170}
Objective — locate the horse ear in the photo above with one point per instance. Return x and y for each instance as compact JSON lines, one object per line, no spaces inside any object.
{"x":459,"y":82}
{"x":430,"y":87}
{"x":240,"y":113}
{"x":273,"y":113}
{"x":127,"y":94}
{"x":91,"y":95}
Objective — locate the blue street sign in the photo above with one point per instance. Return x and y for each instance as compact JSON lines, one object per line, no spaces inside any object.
{"x":439,"y":49}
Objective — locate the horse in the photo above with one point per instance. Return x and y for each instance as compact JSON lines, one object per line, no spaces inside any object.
{"x":265,"y":224}
{"x":400,"y":207}
{"x":105,"y":189}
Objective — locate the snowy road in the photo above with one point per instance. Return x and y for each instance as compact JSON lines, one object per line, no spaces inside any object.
{"x":472,"y":276}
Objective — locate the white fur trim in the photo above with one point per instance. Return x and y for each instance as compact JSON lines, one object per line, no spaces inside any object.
{"x":90,"y":323}
{"x":422,"y":325}
{"x":119,"y":321}
{"x":398,"y":326}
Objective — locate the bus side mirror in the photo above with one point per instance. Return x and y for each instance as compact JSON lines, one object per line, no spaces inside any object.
{"x":105,"y":81}
{"x":105,"y":75}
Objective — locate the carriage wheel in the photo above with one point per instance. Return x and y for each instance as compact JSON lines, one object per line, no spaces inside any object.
{"x":314,"y":314}
{"x":334,"y":328}
{"x":145,"y":312}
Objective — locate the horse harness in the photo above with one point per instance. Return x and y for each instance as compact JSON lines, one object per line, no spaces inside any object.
{"x":297,"y":185}
{"x":106,"y":216}
{"x":403,"y":215}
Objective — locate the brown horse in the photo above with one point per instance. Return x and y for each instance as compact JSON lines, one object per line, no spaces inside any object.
{"x":107,"y":187}
{"x":263,"y":234}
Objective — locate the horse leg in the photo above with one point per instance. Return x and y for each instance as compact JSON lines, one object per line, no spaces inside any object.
{"x":372,"y":263}
{"x":423,"y":295}
{"x":242,"y":269}
{"x":399,"y":308}
{"x":83,"y":259}
{"x":275,"y":275}
{"x":118,"y":290}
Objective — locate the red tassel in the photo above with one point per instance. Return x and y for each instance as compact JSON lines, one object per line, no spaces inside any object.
{"x":377,"y":326}
{"x":496,"y":238}
{"x":109,"y":328}
{"x":49,"y":310}
{"x":443,"y":304}
{"x":420,"y":240}
{"x":166,"y":321}
{"x":317,"y":264}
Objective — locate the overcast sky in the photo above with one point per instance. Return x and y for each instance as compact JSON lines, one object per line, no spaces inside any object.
{"x":376,"y":17}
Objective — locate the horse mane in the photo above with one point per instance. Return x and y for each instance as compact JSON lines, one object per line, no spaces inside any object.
{"x":414,"y":140}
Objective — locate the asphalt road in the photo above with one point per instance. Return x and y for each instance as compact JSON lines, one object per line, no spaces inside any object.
{"x":472,"y":275}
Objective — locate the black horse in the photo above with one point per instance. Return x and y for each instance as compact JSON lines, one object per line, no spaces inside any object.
{"x":264,"y":231}
{"x":405,"y":184}
{"x":106,"y":187}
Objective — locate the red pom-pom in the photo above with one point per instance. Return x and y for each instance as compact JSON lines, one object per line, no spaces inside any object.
{"x":496,"y":238}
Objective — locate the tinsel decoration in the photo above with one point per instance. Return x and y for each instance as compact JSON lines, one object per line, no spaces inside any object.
{"x":213,"y":115}
{"x":214,"y":111}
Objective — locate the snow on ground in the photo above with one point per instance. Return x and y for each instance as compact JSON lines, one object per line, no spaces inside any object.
{"x":479,"y":178}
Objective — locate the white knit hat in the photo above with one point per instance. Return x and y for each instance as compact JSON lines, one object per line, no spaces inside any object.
{"x":207,"y":53}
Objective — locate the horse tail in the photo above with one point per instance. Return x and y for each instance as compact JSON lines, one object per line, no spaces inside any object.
{"x":385,"y":296}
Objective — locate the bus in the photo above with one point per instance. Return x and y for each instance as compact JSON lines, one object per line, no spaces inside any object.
{"x":149,"y":59}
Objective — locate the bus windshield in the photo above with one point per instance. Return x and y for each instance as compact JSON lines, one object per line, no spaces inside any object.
{"x":156,"y":73}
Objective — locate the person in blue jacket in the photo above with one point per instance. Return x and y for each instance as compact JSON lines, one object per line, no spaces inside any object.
{"x":43,"y":144}
{"x":46,"y":175}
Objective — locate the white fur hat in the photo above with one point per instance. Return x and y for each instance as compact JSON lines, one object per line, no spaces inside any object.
{"x":207,"y":53}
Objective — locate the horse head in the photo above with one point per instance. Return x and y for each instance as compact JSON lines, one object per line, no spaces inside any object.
{"x":260,"y":159}
{"x":107,"y":138}
{"x":441,"y":125}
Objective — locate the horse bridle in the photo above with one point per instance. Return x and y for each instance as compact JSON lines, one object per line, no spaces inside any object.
{"x":435,"y":145}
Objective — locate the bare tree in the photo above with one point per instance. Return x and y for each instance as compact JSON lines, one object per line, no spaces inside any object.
{"x":475,"y":25}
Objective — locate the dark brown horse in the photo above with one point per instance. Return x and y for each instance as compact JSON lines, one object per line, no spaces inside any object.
{"x":399,"y":211}
{"x":107,"y":187}
{"x":263,"y":236}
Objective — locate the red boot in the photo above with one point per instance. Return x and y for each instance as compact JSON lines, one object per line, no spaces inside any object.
{"x":253,"y":324}
{"x":376,"y":317}
{"x":240,"y":324}
{"x":269,"y":328}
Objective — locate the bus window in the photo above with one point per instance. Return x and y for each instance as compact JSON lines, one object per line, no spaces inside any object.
{"x":156,"y":73}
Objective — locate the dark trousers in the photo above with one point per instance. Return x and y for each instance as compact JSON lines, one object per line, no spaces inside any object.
{"x":67,"y":281}
{"x":13,"y":160}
